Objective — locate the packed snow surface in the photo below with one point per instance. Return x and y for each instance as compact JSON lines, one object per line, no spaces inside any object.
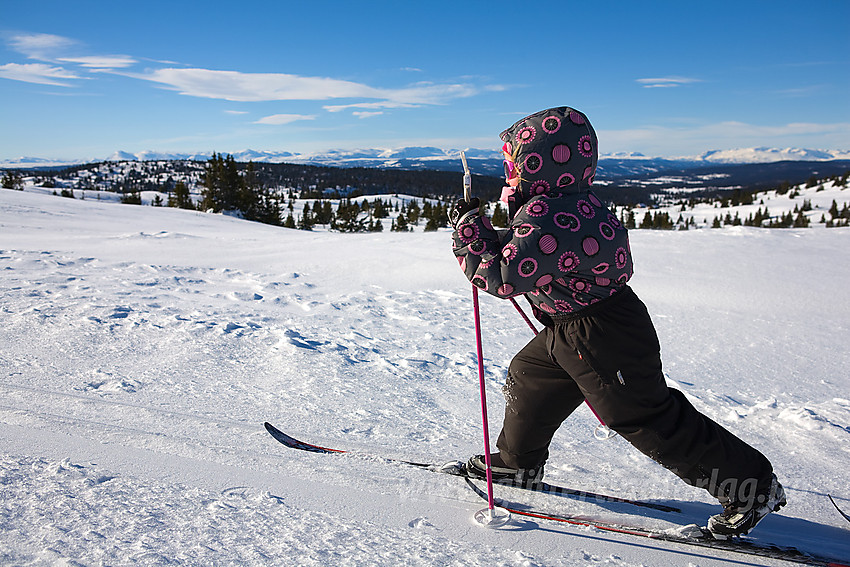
{"x":141,"y":349}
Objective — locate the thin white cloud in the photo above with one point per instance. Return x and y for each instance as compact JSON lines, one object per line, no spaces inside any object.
{"x":254,"y":87}
{"x":430,"y":93}
{"x":40,"y":46}
{"x":801,"y":91}
{"x":279,"y":119}
{"x":382,"y":104}
{"x":232,"y":86}
{"x":365,"y":114}
{"x":38,"y":73}
{"x":666,"y":82}
{"x":55,"y":49}
{"x":257,"y":87}
{"x":236,"y":112}
{"x":412,"y":97}
{"x":101,"y":61}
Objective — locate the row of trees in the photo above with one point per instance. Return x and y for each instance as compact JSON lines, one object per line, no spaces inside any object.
{"x":797,"y":218}
{"x":317,"y":182}
{"x":366,"y":216}
{"x":661,"y":220}
{"x":227,"y":188}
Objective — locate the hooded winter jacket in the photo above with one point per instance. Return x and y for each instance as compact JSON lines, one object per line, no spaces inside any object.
{"x":564,"y":250}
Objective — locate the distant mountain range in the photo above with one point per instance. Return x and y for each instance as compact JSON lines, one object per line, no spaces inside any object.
{"x":483,"y":162}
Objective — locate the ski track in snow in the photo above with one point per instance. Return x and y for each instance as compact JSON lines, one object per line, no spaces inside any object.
{"x":69,"y":510}
{"x":142,"y":349}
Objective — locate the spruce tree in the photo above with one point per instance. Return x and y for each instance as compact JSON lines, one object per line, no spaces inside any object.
{"x":500,"y":216}
{"x":347,"y":218}
{"x":180,"y":197}
{"x":400,"y":224}
{"x":833,"y":210}
{"x":413,"y":212}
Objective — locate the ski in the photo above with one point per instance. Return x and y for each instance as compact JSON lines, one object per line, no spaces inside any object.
{"x":692,"y":535}
{"x":456,"y":468}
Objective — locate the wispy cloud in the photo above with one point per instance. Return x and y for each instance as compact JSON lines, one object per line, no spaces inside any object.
{"x":55,"y":49}
{"x":260,"y":87}
{"x":101,"y":61}
{"x":430,"y":93}
{"x":38,"y":73}
{"x":666,"y":82}
{"x":254,"y":87}
{"x":374,"y":105}
{"x":41,"y":46}
{"x":801,"y":91}
{"x":58,"y":53}
{"x":279,"y":119}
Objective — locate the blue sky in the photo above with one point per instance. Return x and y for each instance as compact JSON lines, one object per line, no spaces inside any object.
{"x":84,"y":79}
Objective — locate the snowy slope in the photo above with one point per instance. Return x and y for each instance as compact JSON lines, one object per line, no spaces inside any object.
{"x":820,"y":199}
{"x":143,"y":348}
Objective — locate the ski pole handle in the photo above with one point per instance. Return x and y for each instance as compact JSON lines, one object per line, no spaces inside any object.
{"x":467,"y":178}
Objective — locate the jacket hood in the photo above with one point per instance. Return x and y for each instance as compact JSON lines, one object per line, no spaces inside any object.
{"x":555,"y":151}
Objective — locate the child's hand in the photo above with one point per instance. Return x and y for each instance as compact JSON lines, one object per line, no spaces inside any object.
{"x":463,"y":209}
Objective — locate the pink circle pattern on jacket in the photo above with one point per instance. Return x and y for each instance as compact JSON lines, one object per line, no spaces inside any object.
{"x":564,"y":249}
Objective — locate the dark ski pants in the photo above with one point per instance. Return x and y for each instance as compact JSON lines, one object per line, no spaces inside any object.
{"x":610,"y":356}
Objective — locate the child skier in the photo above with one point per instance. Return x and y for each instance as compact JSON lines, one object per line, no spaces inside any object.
{"x":570,"y":257}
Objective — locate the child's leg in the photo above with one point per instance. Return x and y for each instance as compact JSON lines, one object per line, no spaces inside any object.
{"x":539,"y":396}
{"x":619,"y":370}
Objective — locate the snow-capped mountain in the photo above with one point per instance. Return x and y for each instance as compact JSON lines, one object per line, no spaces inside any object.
{"x":767,"y":155}
{"x":428,"y":157}
{"x":717,"y":168}
{"x":31,"y":161}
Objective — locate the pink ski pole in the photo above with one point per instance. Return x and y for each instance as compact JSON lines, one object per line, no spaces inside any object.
{"x":607,"y":433}
{"x":490,"y":518}
{"x":481,"y":386}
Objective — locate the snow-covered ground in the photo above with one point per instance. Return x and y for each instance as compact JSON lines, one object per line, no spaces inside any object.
{"x":142,"y":348}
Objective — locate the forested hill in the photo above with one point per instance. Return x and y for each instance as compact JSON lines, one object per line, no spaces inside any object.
{"x":310,"y":181}
{"x":619,"y":180}
{"x":320,"y":179}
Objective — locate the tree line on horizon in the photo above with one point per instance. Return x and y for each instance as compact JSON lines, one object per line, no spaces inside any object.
{"x":253,"y":191}
{"x":662,"y":220}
